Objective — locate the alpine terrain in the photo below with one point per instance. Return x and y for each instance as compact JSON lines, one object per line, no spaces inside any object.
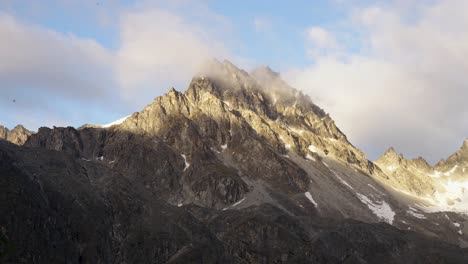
{"x":239,"y":168}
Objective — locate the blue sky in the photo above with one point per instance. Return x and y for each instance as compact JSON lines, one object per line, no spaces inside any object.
{"x":389,"y":72}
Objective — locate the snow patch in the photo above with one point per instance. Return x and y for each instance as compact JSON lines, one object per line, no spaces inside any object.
{"x":456,"y":224}
{"x":309,"y":196}
{"x":450,"y":172}
{"x":417,"y":215}
{"x":116,"y":122}
{"x":224,"y":146}
{"x":236,"y":204}
{"x":381,"y":209}
{"x":309,"y":157}
{"x":391,"y":168}
{"x":186,"y":163}
{"x":100,"y":158}
{"x":460,"y":232}
{"x":228,"y":105}
{"x":215,"y":150}
{"x":343,"y":181}
{"x":313,"y":148}
{"x":339,"y":178}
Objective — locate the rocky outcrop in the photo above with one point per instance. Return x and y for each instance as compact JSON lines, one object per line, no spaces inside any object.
{"x":457,"y":163}
{"x":17,"y":135}
{"x":408,"y":175}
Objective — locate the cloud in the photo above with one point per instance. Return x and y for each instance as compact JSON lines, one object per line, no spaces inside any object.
{"x":160,"y":49}
{"x":52,"y":74}
{"x":405,"y":86}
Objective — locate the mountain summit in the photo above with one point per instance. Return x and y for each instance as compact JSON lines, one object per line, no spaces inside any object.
{"x":239,"y":168}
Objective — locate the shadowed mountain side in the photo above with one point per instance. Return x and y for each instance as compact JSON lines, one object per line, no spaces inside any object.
{"x":64,"y":209}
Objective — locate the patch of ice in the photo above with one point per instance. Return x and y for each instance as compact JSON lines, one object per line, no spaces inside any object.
{"x":436,"y":174}
{"x":375,"y":189}
{"x":450,"y":172}
{"x":236,"y":204}
{"x":313,"y":148}
{"x":215,"y":150}
{"x":309,"y":157}
{"x":186,"y":163}
{"x":309,"y":196}
{"x":381,"y":209}
{"x":417,"y":215}
{"x":116,"y":122}
{"x":228,"y":105}
{"x":343,"y":181}
{"x":454,"y":191}
{"x":339,"y":178}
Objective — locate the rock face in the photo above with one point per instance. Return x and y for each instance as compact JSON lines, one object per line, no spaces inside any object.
{"x":442,"y":186}
{"x":17,"y":135}
{"x":240,"y":168}
{"x":409,"y":175}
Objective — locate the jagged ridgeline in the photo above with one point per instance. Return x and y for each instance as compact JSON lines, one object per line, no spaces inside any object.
{"x":239,"y":168}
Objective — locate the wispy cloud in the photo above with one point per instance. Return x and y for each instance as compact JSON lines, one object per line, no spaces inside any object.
{"x":158,"y":46}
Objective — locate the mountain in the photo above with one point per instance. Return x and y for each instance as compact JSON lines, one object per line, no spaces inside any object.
{"x":239,"y":168}
{"x":442,"y":186}
{"x":17,"y":135}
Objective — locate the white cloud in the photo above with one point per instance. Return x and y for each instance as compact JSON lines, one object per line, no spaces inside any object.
{"x":51,"y":73}
{"x":320,"y":42}
{"x":407,"y":85}
{"x":159,"y":49}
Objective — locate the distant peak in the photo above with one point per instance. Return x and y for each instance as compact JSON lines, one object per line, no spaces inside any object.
{"x":465,"y":143}
{"x":19,"y":127}
{"x":421,"y":162}
{"x":390,"y":151}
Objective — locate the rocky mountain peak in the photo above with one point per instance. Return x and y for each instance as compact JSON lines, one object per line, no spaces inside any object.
{"x":459,"y":158}
{"x":421,"y":163}
{"x":18,"y":135}
{"x":465,"y":145}
{"x":390,"y":157}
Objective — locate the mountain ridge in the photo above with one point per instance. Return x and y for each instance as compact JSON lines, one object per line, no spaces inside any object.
{"x":235,"y":169}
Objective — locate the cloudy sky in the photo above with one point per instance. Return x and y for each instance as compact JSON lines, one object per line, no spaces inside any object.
{"x":391,"y":73}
